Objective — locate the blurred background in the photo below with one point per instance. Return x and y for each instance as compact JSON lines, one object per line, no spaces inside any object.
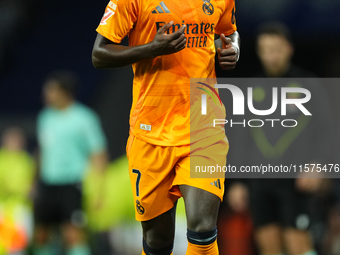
{"x":38,"y":37}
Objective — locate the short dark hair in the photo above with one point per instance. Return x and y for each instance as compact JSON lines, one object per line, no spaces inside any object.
{"x":274,"y":28}
{"x":67,"y":80}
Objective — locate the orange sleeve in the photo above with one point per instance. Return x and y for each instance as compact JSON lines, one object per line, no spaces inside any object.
{"x":227,"y":22}
{"x":119,"y":19}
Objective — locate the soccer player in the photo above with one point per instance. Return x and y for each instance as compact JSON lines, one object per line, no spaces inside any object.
{"x":70,"y":141}
{"x":169,"y":43}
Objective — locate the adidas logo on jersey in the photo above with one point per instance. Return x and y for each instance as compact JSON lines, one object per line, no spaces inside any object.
{"x":161,"y":8}
{"x":217,"y":184}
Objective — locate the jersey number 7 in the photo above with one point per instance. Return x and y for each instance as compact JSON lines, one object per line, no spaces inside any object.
{"x":136,"y":171}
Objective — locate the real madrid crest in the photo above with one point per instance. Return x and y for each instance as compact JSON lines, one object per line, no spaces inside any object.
{"x":140,"y":209}
{"x":208,"y":8}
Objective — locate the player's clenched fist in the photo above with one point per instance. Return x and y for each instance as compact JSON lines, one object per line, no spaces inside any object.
{"x":228,"y":55}
{"x":164,"y":43}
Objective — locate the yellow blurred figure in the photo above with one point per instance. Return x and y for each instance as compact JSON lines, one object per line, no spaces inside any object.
{"x":116,"y":205}
{"x":16,"y":176}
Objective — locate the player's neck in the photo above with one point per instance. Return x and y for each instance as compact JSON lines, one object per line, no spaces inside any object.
{"x":64,"y":104}
{"x":277,"y":73}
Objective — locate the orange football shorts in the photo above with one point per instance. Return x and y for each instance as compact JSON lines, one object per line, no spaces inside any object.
{"x":157,"y":171}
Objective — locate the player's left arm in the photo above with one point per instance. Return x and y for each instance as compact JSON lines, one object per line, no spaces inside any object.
{"x":228,"y":50}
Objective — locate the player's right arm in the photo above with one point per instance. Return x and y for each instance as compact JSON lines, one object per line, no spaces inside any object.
{"x":107,"y":54}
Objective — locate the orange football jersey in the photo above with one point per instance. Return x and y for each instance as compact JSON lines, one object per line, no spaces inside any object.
{"x":160,"y":112}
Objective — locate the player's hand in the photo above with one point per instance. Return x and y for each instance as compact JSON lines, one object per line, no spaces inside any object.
{"x":164,"y":44}
{"x":228,"y":55}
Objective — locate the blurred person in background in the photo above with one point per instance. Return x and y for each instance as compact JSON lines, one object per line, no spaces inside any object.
{"x":16,"y":177}
{"x":275,"y":51}
{"x":71,"y":141}
{"x":280,"y":207}
{"x":116,"y":214}
{"x":235,"y":224}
